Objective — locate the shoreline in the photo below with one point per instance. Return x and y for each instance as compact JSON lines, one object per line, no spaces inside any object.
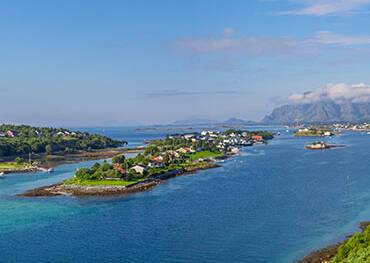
{"x":326,"y":254}
{"x":62,"y":189}
{"x":51,"y":161}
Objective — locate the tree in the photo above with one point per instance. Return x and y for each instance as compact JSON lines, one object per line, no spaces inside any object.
{"x":119,"y":159}
{"x":49,"y":149}
{"x":19,"y":160}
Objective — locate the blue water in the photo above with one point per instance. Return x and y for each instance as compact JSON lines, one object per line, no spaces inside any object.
{"x":273,"y":203}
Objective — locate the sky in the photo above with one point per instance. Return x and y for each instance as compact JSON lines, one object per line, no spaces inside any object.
{"x":117,"y":63}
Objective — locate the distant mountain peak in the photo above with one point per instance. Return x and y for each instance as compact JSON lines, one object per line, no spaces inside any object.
{"x":323,"y":111}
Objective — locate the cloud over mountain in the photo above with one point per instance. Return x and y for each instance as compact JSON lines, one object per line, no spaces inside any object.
{"x":338,"y":92}
{"x":332,"y":103}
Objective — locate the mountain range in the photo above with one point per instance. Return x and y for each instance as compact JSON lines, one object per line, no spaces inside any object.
{"x":324,"y":111}
{"x":231,"y":122}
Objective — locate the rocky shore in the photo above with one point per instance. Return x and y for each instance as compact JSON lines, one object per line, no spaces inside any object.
{"x":325,"y":255}
{"x":76,"y":190}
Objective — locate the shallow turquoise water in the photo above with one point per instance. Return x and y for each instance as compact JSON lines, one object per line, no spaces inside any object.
{"x":273,"y":203}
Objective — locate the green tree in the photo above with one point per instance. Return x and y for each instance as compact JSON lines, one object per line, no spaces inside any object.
{"x":19,"y":160}
{"x":49,"y":149}
{"x":119,"y":159}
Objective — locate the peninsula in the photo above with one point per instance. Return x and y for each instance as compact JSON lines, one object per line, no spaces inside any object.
{"x":26,"y":149}
{"x":162,"y":159}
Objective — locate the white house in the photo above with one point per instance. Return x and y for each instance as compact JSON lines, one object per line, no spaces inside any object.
{"x":138,"y":169}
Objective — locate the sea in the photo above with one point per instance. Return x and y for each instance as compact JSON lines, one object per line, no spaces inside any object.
{"x":272,"y":203}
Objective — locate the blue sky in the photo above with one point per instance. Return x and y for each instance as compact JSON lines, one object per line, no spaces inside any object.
{"x":144,"y":62}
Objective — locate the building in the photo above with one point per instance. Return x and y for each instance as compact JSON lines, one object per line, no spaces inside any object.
{"x":11,"y":134}
{"x":185,"y":150}
{"x":138,"y":169}
{"x":156,"y":164}
{"x":118,"y":167}
{"x":257,"y":138}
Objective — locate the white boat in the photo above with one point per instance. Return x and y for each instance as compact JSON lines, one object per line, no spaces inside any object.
{"x":50,"y":170}
{"x":2,"y":175}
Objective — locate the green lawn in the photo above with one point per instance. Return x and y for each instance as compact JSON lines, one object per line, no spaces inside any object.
{"x":204,"y":155}
{"x":6,"y":166}
{"x":101,"y":182}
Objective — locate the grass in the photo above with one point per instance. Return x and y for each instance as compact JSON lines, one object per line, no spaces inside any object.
{"x":7,"y":166}
{"x":75,"y":181}
{"x":203,"y":155}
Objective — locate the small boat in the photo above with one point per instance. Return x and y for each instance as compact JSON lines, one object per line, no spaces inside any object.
{"x":45,"y":170}
{"x":2,"y":175}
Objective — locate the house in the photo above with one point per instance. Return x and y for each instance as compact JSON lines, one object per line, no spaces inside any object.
{"x":155,"y":164}
{"x":189,"y":136}
{"x":138,"y":169}
{"x":185,"y":150}
{"x":257,"y":138}
{"x":11,"y":134}
{"x":157,"y":159}
{"x":118,"y":167}
{"x":173,"y":154}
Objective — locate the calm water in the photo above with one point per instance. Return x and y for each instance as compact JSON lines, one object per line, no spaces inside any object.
{"x":273,"y":203}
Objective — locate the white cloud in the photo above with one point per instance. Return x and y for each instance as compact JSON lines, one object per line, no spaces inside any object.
{"x":337,"y":92}
{"x":329,"y":38}
{"x":268,"y":45}
{"x":229,"y":31}
{"x":255,"y":45}
{"x":327,"y":7}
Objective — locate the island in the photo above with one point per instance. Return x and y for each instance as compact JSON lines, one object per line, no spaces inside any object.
{"x":26,"y":149}
{"x":313,"y":132}
{"x":322,"y":146}
{"x":175,"y":155}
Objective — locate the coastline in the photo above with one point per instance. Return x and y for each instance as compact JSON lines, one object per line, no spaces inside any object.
{"x":62,"y":189}
{"x":51,"y":161}
{"x":326,"y":254}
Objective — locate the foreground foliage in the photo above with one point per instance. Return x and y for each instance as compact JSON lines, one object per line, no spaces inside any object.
{"x":355,"y":250}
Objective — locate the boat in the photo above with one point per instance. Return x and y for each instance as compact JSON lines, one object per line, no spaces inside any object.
{"x":2,"y":175}
{"x":45,"y":170}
